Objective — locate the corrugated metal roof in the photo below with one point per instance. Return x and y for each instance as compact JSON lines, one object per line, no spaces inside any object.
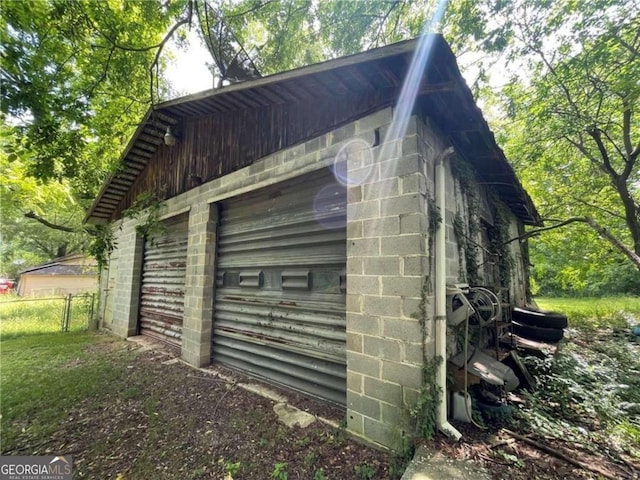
{"x":376,"y":70}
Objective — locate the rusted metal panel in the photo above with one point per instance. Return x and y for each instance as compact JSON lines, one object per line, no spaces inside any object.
{"x":163,"y":283}
{"x":280,"y":299}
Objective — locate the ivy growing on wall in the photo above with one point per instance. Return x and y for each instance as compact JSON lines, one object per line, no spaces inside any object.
{"x":102,"y":244}
{"x":499,"y":239}
{"x":467,"y":233}
{"x":146,"y":204}
{"x":425,"y":412}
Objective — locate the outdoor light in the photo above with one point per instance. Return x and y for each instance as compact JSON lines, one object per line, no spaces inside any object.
{"x":169,"y":138}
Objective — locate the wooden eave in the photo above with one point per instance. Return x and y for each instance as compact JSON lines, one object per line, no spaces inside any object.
{"x":443,"y":96}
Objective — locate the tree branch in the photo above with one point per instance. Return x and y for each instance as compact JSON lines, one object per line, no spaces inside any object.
{"x":603,"y":232}
{"x":33,"y":215}
{"x":595,"y":133}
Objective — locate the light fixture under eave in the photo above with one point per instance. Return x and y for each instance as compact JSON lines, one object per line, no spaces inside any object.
{"x":169,"y":138}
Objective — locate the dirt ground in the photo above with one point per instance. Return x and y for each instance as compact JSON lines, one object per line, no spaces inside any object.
{"x":506,"y":457}
{"x":176,"y":422}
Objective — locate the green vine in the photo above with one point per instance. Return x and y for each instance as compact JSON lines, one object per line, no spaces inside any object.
{"x":465,"y":237}
{"x":146,"y":203}
{"x":102,"y":244}
{"x":499,"y":238}
{"x":425,"y":412}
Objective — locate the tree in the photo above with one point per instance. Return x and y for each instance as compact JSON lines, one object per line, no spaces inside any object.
{"x":572,"y":120}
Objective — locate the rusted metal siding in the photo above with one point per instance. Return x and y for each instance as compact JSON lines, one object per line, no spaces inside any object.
{"x":163,"y":283}
{"x":280,"y":297}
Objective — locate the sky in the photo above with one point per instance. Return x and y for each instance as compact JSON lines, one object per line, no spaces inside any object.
{"x":187,"y":71}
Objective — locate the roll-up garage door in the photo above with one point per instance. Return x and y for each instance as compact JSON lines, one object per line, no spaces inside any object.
{"x":163,"y":283}
{"x":280,"y":296}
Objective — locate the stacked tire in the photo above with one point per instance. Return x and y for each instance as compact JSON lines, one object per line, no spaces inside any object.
{"x":539,"y":325}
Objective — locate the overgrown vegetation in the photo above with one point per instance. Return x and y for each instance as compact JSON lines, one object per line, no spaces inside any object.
{"x":589,"y":394}
{"x":21,"y":317}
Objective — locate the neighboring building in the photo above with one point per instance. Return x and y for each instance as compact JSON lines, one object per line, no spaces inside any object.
{"x":70,"y":274}
{"x":301,"y":239}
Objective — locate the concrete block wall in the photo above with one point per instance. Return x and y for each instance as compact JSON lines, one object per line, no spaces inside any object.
{"x":200,"y":284}
{"x":126,"y":294}
{"x":388,"y":265}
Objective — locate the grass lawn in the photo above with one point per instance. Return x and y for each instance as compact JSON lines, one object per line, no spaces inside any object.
{"x":592,"y":313}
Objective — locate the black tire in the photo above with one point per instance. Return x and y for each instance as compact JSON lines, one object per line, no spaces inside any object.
{"x":540,"y":319}
{"x":538,"y":333}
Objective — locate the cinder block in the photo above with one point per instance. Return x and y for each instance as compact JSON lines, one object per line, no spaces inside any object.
{"x":363,"y":247}
{"x":402,"y":204}
{"x":410,"y":145}
{"x":381,"y":265}
{"x":354,"y":342}
{"x":363,"y":210}
{"x":385,"y":391}
{"x":412,"y":244}
{"x":411,"y":307}
{"x":382,"y":189}
{"x":368,"y":407}
{"x":381,"y":348}
{"x":354,"y":266}
{"x":402,"y":286}
{"x":380,"y":432}
{"x":315,"y":144}
{"x":365,"y":324}
{"x":405,"y":374}
{"x":364,"y":284}
{"x":411,"y":396}
{"x":355,"y":382}
{"x":354,"y":229}
{"x":413,"y":223}
{"x":391,"y":414}
{"x":354,"y":303}
{"x":413,"y":353}
{"x":399,"y":167}
{"x":364,"y":364}
{"x":415,"y":265}
{"x":354,"y":194}
{"x":381,"y":306}
{"x":343,"y":133}
{"x":355,"y":422}
{"x":405,"y":330}
{"x":381,"y":227}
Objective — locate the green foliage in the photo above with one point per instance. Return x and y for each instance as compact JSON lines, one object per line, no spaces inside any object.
{"x":280,"y":471}
{"x":24,"y":317}
{"x":102,"y":244}
{"x":231,"y":468}
{"x":319,"y":475}
{"x":499,"y":236}
{"x":590,"y":392}
{"x":572,"y":132}
{"x":38,"y":367}
{"x":425,"y":412}
{"x":595,"y":313}
{"x":147,"y":207}
{"x":365,"y":471}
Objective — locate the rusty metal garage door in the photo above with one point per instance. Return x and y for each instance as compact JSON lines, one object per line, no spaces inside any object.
{"x":280,"y":295}
{"x":163,"y":283}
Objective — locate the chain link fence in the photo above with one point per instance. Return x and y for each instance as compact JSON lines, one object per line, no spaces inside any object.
{"x":25,"y":316}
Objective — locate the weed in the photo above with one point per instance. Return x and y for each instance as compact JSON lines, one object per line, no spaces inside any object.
{"x":302,"y":442}
{"x":365,"y":471}
{"x":231,"y":468}
{"x":309,"y":459}
{"x":319,"y":475}
{"x":280,"y":471}
{"x":401,"y":458}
